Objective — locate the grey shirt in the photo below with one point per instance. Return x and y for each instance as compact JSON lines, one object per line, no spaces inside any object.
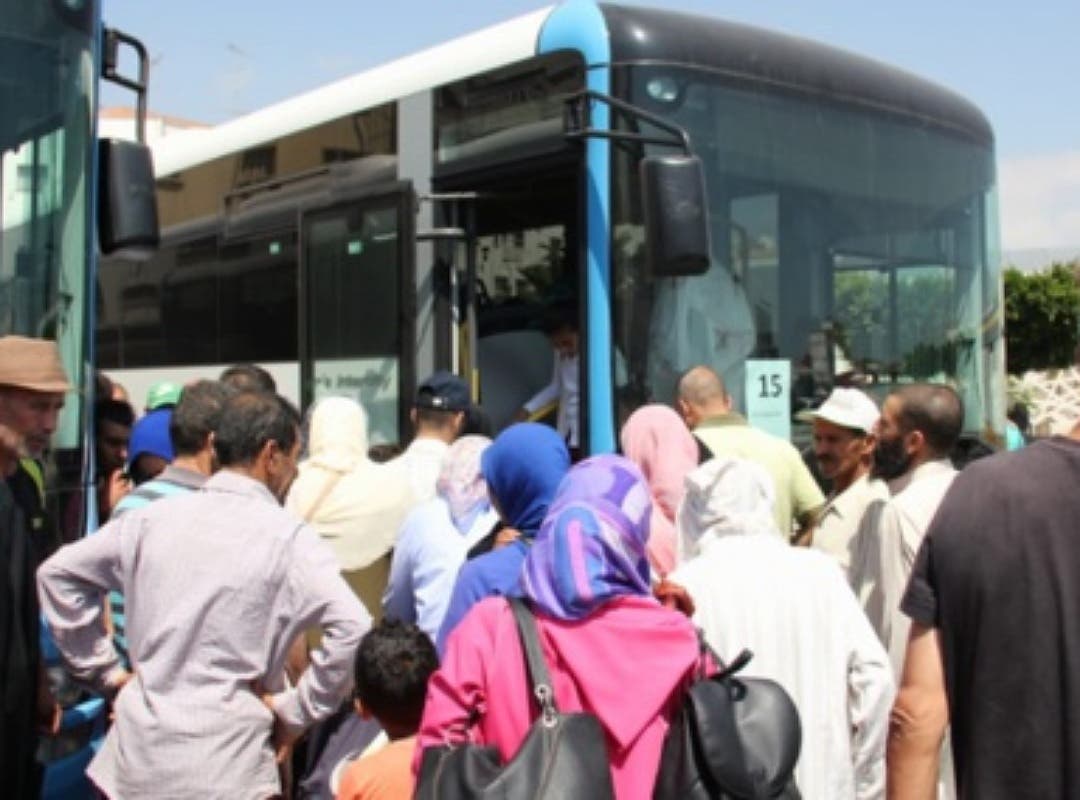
{"x":218,"y":583}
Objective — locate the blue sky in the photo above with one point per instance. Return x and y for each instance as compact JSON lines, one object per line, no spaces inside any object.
{"x":1016,"y":61}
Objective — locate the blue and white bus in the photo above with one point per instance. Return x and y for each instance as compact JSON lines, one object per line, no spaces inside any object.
{"x":64,"y":196}
{"x":419,"y":214}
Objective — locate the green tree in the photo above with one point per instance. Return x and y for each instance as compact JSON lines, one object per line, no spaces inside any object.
{"x":924,"y":345}
{"x":1042,"y":312}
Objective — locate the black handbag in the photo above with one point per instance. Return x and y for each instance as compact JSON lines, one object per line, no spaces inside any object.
{"x":731,"y":739}
{"x":563,"y":756}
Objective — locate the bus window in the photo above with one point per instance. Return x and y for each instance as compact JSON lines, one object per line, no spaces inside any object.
{"x":353,"y":262}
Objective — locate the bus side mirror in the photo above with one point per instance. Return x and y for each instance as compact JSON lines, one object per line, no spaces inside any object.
{"x":676,"y":215}
{"x":127,"y":204}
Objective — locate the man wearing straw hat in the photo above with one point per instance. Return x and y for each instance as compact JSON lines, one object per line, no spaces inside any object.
{"x":32,"y":386}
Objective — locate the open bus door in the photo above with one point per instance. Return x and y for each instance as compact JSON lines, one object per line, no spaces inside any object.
{"x":357,"y":305}
{"x":516,"y":253}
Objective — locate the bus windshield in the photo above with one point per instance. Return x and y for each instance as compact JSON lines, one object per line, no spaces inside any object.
{"x":855,"y":243}
{"x":47,"y":85}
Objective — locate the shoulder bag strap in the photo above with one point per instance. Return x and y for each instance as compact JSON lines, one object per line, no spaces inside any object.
{"x":723,"y":669}
{"x":534,"y":658}
{"x":324,"y":492}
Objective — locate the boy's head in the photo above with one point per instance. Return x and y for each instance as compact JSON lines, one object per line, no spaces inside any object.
{"x":393,"y":664}
{"x":560,"y":325}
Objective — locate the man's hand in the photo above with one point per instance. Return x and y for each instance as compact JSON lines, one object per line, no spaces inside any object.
{"x":49,"y":713}
{"x":281,"y":737}
{"x":118,"y":485}
{"x":673,"y":596}
{"x":506,"y":536}
{"x":804,"y":537}
{"x":113,"y":686}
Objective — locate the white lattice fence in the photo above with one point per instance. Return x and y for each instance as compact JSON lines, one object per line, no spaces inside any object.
{"x":1053,"y":399}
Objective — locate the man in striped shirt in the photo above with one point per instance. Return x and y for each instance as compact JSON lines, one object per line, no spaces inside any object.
{"x":190,"y":426}
{"x":188,"y":450}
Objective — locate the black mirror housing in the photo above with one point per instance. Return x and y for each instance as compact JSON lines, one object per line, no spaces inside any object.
{"x":675,"y":209}
{"x":127,"y":204}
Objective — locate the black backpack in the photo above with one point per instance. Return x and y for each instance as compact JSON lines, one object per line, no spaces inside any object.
{"x":731,"y":739}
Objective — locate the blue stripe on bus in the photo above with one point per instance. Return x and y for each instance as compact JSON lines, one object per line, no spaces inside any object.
{"x":579,"y":25}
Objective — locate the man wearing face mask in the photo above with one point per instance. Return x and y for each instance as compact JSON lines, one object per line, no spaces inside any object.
{"x":919,"y":425}
{"x":218,"y":583}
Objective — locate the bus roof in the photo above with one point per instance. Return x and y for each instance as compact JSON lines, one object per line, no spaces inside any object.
{"x":788,"y":63}
{"x":477,"y":52}
{"x":735,"y":50}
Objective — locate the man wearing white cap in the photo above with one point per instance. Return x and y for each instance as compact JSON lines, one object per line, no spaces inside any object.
{"x":844,"y":448}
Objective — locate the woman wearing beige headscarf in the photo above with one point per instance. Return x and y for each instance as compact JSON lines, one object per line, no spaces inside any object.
{"x":793,"y":609}
{"x":355,"y":504}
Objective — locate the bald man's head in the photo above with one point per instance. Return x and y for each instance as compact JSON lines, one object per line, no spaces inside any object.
{"x":701,"y":394}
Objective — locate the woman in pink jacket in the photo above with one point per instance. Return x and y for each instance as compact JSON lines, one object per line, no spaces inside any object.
{"x":611,"y":648}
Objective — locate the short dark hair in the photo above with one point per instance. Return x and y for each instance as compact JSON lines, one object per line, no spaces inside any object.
{"x":118,"y":412}
{"x":1019,"y":414}
{"x":477,"y":423}
{"x":251,"y":419}
{"x":393,"y":664}
{"x":559,"y":317}
{"x":197,"y":415}
{"x":935,"y":410}
{"x":381,"y":453}
{"x":102,"y":386}
{"x":435,"y":417}
{"x":248,"y":378}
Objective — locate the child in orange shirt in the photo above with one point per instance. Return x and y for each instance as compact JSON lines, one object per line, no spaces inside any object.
{"x":393,"y":664}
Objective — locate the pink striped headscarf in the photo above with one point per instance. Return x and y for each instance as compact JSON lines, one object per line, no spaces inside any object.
{"x":460,"y":482}
{"x":656,"y":439}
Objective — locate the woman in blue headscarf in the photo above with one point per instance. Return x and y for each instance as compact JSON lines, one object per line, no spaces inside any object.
{"x":523,"y":468}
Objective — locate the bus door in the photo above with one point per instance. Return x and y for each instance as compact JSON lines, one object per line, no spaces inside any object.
{"x":518,"y":259}
{"x":357,"y":306}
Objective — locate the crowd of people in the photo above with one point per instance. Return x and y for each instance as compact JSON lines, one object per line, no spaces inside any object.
{"x":260,"y":580}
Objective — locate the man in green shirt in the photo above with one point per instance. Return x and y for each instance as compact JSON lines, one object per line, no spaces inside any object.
{"x":706,"y":407}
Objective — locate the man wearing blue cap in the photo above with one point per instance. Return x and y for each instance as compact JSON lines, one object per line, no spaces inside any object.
{"x":439,"y":414}
{"x":150,"y":450}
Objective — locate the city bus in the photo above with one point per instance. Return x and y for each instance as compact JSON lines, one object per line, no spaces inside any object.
{"x":425,"y":213}
{"x":63,"y":196}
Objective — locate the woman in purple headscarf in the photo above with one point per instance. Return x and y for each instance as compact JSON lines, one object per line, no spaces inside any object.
{"x":611,"y":648}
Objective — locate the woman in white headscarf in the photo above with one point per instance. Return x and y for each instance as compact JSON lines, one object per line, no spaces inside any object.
{"x":793,"y":609}
{"x":355,"y":504}
{"x":436,"y":535}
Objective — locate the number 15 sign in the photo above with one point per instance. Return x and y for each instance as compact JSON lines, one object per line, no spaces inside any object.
{"x":768,"y":395}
